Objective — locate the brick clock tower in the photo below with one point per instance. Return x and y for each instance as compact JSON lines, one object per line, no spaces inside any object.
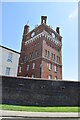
{"x":41,"y":52}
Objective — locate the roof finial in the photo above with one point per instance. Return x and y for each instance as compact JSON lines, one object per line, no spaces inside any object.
{"x":27,"y":22}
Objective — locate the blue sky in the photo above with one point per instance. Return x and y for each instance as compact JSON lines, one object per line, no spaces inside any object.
{"x":15,"y":15}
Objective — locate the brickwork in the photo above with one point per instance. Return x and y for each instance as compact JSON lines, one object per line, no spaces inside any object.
{"x":46,"y":72}
{"x":39,"y":92}
{"x":41,"y":46}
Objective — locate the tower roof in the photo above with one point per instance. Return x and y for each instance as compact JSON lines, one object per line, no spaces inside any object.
{"x":45,"y":26}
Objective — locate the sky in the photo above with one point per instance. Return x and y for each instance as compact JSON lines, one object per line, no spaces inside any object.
{"x":63,"y":14}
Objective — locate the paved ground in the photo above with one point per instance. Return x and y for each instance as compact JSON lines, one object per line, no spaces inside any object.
{"x":21,"y":118}
{"x":6,"y":113}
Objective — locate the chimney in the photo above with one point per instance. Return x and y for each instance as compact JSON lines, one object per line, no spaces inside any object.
{"x":57,"y":30}
{"x":43,"y":19}
{"x":26,"y":29}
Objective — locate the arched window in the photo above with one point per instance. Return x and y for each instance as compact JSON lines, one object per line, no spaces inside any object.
{"x":33,"y":67}
{"x":55,"y":68}
{"x":49,"y":77}
{"x":50,"y":66}
{"x":55,"y":77}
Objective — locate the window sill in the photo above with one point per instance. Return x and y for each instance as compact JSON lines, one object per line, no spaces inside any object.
{"x":9,"y":60}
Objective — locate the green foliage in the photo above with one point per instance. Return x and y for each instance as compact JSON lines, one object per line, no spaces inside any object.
{"x":39,"y":109}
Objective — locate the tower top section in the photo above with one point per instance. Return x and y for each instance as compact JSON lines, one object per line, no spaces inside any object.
{"x":41,"y":28}
{"x":43,"y":19}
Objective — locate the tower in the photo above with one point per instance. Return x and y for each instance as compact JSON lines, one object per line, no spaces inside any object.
{"x":41,"y":52}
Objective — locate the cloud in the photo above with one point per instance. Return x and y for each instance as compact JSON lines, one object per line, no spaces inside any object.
{"x":74,"y":14}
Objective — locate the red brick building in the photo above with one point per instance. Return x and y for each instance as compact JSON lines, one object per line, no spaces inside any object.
{"x":41,"y":52}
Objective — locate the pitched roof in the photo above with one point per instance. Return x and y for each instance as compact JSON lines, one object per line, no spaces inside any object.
{"x":9,"y":49}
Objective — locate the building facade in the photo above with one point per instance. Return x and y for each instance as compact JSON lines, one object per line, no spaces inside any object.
{"x":41,"y":52}
{"x":8,"y":61}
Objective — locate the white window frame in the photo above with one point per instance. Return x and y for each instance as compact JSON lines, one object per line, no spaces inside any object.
{"x":53,"y":56}
{"x":40,"y":65}
{"x":48,"y":54}
{"x":55,"y":77}
{"x":7,"y":72}
{"x":53,"y":35}
{"x":57,"y":59}
{"x":49,"y":77}
{"x":33,"y":67}
{"x":55,"y":68}
{"x":20,"y":69}
{"x":10,"y":57}
{"x":32,"y":76}
{"x":27,"y":67}
{"x":50,"y":66}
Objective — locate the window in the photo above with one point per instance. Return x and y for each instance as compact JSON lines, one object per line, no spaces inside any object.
{"x":40,"y":65}
{"x":10,"y":57}
{"x":53,"y":35}
{"x":33,"y":33}
{"x":20,"y":69}
{"x":45,"y":52}
{"x":31,"y":55}
{"x":49,"y":77}
{"x":27,"y":67}
{"x":55,"y":77}
{"x":43,"y":21}
{"x":42,"y":34}
{"x":51,"y":55}
{"x":33,"y":66}
{"x":7,"y":71}
{"x":55,"y":68}
{"x":32,"y":76}
{"x":48,"y":54}
{"x":50,"y":66}
{"x":57,"y":58}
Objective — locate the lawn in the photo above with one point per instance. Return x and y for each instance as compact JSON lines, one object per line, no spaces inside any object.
{"x":39,"y":109}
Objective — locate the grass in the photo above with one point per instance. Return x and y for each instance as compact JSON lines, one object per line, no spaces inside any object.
{"x":39,"y":109}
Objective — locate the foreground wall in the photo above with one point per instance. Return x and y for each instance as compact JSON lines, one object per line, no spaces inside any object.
{"x":27,"y":91}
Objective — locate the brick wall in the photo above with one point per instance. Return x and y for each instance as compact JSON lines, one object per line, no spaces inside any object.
{"x":39,"y":44}
{"x":27,"y":91}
